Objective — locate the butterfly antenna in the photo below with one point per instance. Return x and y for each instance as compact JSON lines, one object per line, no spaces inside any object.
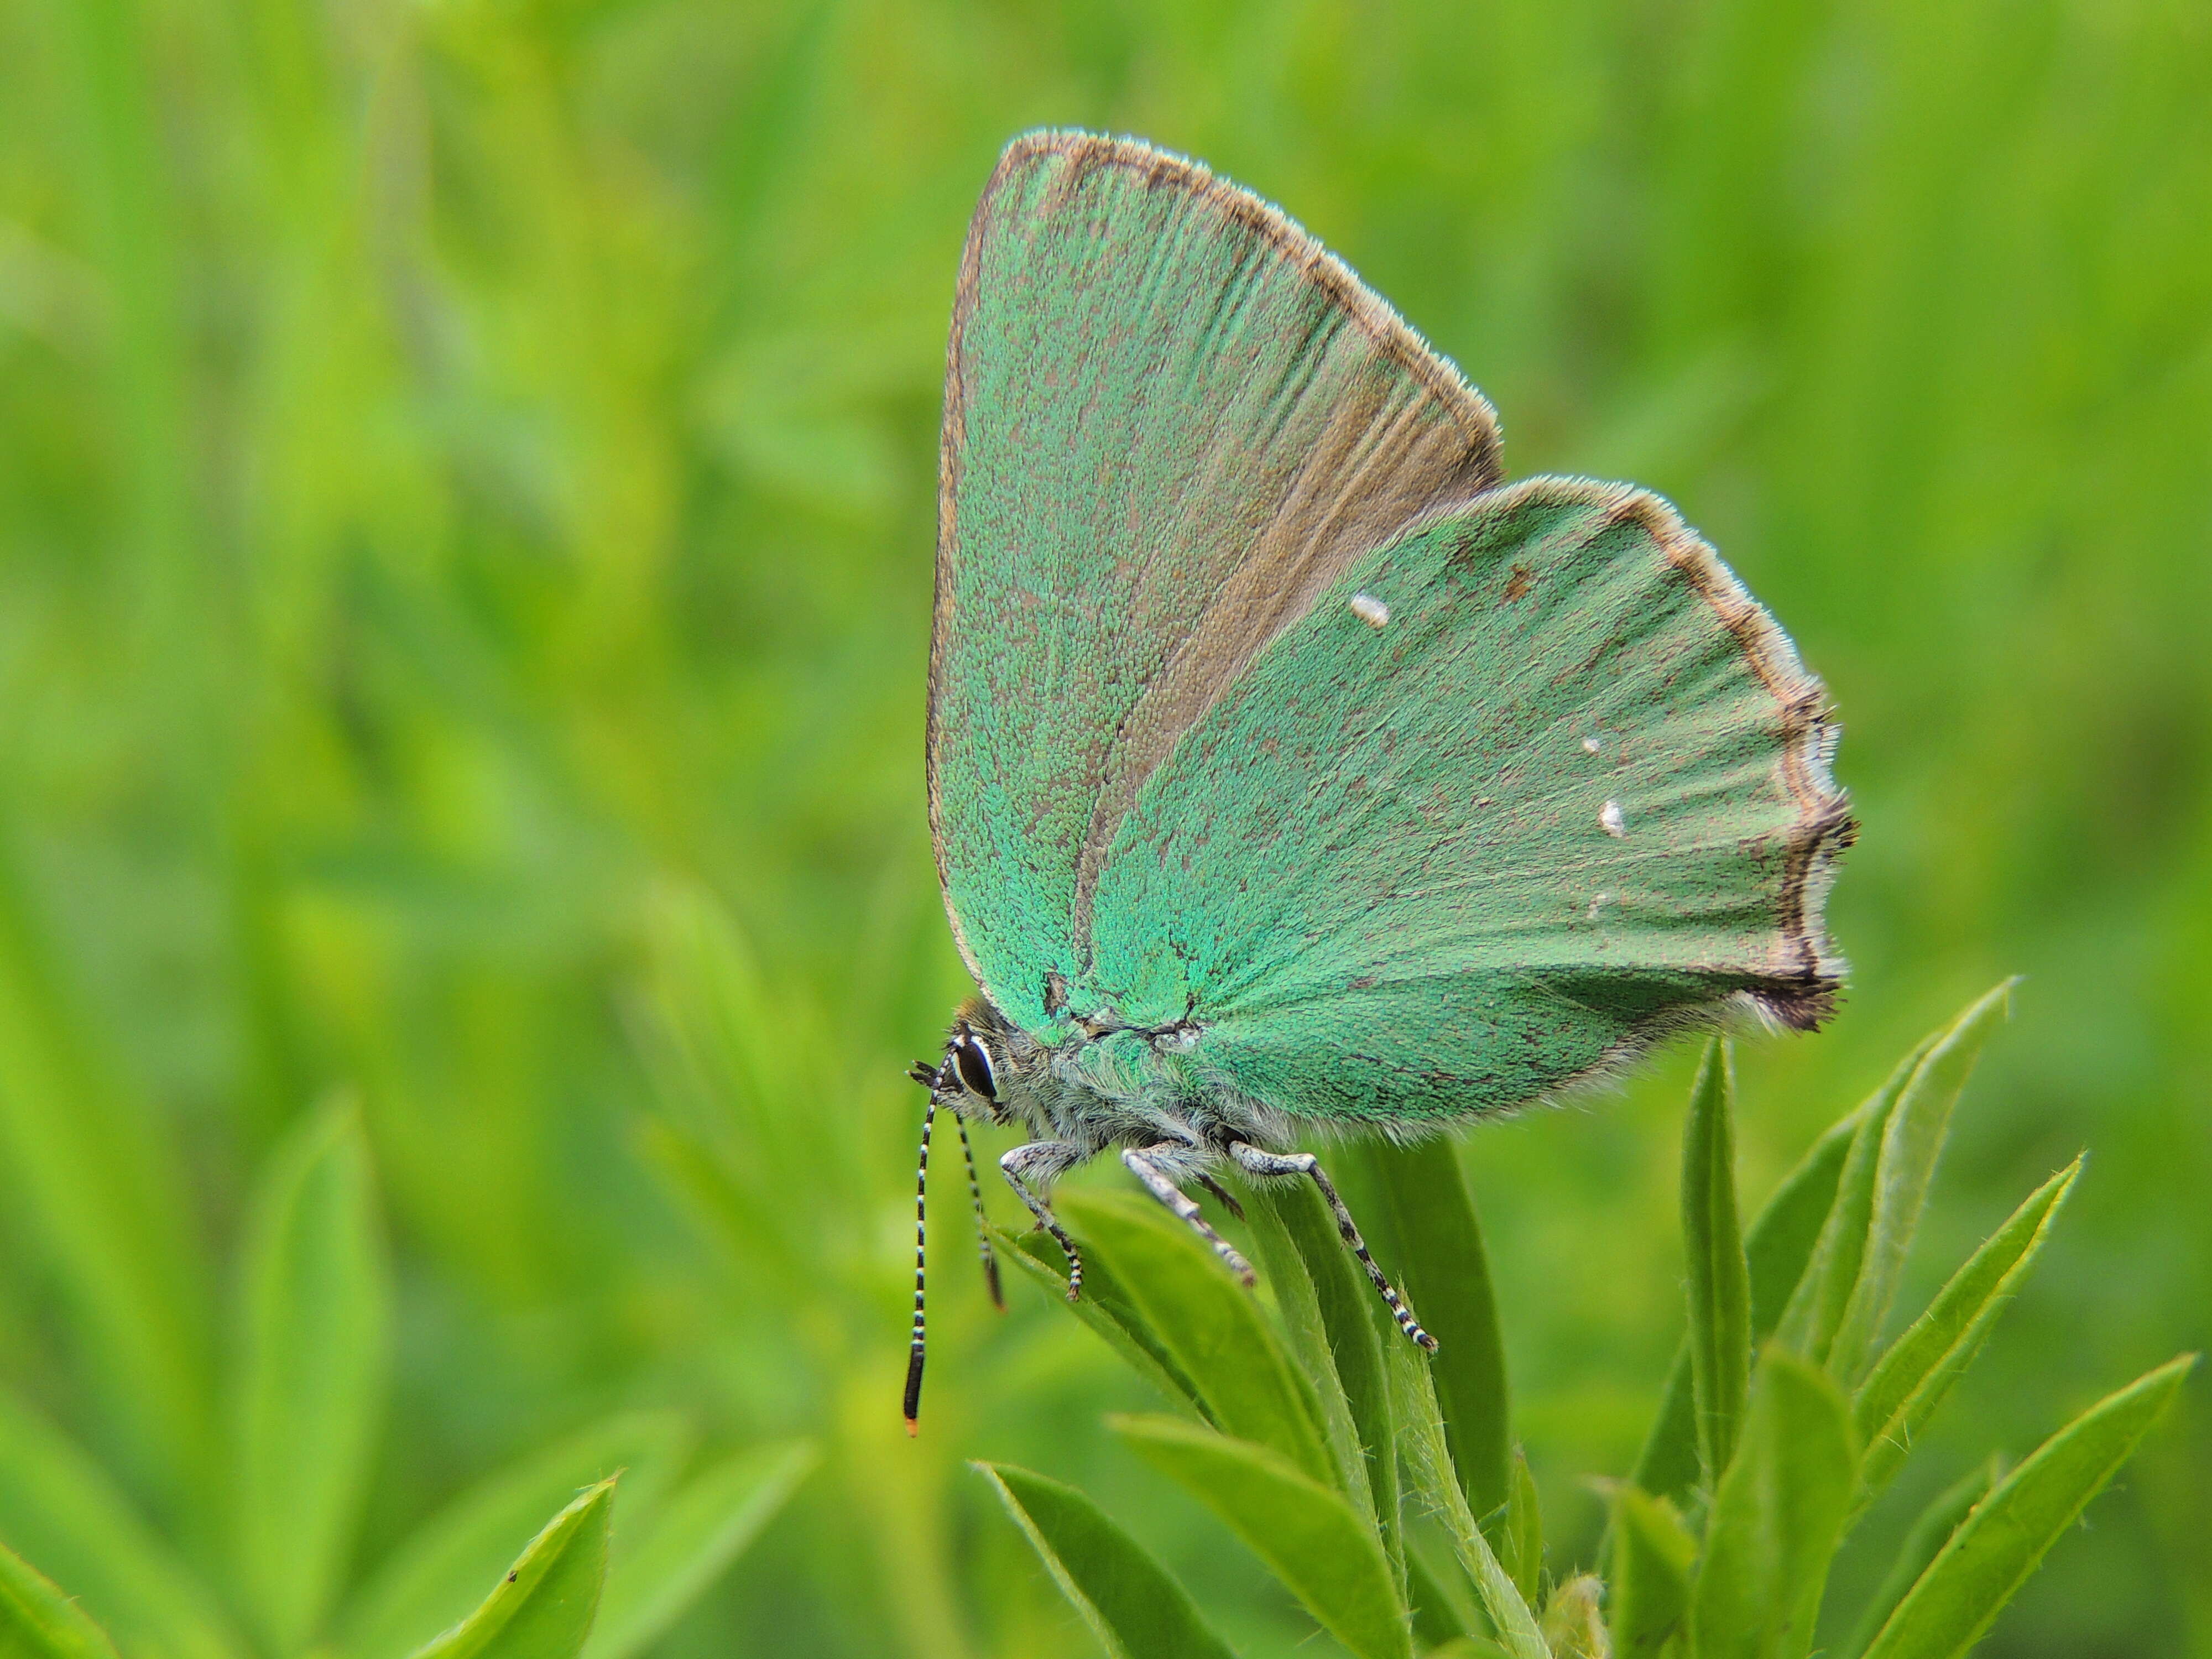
{"x":982,"y":1222}
{"x":913,"y":1405}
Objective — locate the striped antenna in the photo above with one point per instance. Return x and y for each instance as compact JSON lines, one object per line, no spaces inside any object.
{"x":920,"y":1197}
{"x":982,"y":1222}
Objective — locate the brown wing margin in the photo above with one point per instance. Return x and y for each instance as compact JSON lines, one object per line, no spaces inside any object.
{"x":1806,"y":972}
{"x":1372,"y":478}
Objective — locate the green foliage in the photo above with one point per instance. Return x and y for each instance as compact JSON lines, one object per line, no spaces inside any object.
{"x":37,"y":1621}
{"x":543,"y":1607}
{"x":1325,"y":1553}
{"x":466,"y":490}
{"x":1719,"y":1277}
{"x":1792,"y":1457}
{"x":1654,"y":1558}
{"x":2006,"y":1534}
{"x":1130,"y":1604}
{"x":313,"y":1352}
{"x":309,"y":1380}
{"x":1426,"y":1236}
{"x":1776,"y":1515}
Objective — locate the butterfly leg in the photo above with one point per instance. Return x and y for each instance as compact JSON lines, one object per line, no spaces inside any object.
{"x":1254,"y":1162}
{"x":1042,"y":1162}
{"x":1145,"y":1166}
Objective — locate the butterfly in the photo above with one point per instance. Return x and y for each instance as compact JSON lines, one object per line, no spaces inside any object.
{"x":1288,"y":769}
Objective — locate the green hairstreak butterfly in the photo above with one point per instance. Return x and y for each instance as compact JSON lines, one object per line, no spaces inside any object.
{"x":1288,"y":768}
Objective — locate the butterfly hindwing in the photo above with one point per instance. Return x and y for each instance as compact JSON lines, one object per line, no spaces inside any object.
{"x":1172,"y":419}
{"x":1573,"y":792}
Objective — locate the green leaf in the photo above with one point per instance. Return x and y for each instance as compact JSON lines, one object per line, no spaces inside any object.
{"x":37,"y":1621}
{"x":1775,"y":1250}
{"x":1326,"y":1555}
{"x":1652,"y":1555}
{"x":2004,"y":1537}
{"x":1928,"y":1535}
{"x":1776,"y":1518}
{"x":95,"y":1189}
{"x":689,"y":1542}
{"x":314,"y":1350}
{"x":544,"y":1606}
{"x":1430,"y":1242}
{"x":1912,"y":1140}
{"x":1443,"y":1607}
{"x":1422,"y":1443}
{"x":1132,"y":1604}
{"x":1719,"y":1277}
{"x":1523,"y":1532}
{"x":1211,"y":1326}
{"x":60,"y":1510}
{"x":1320,"y":1297}
{"x":1107,"y":1308}
{"x":438,"y":1573}
{"x":1910,"y":1379}
{"x":1846,"y":1289}
{"x":1573,"y":1625}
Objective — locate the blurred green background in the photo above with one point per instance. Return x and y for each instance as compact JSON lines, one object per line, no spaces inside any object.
{"x":466,"y":474}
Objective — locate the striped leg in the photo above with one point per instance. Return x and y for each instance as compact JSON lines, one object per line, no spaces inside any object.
{"x":1041,"y":1162}
{"x":1254,"y":1162}
{"x":982,"y":1222}
{"x":1162,"y":1186}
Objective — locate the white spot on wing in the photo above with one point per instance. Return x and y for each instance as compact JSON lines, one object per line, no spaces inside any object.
{"x":1369,"y":609}
{"x":1609,"y":816}
{"x":1591,"y":746}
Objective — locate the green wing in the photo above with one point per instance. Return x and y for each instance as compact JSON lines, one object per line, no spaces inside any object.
{"x":1171,"y":421}
{"x":1572,"y":792}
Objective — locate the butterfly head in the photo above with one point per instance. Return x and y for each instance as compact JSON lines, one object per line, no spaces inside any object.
{"x":970,"y":1077}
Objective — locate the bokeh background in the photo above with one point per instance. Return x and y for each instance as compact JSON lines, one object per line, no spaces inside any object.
{"x":466,"y":475}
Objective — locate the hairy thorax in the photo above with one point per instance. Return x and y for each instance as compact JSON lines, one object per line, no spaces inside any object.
{"x":1110,"y":1085}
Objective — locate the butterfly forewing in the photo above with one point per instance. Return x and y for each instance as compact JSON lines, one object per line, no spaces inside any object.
{"x":1171,"y":422}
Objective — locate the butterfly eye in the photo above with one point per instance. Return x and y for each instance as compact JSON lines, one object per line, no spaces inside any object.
{"x":974,"y":1064}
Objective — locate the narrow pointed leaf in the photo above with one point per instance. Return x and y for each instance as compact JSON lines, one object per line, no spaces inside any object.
{"x":439,"y":1574}
{"x":96,"y":1190}
{"x":1441,"y":1612}
{"x":1325,"y":1554}
{"x":37,"y":1621}
{"x":1775,"y":1250}
{"x":1912,"y":1140}
{"x":1719,"y":1279}
{"x":1212,"y":1327}
{"x":1524,"y":1532}
{"x":1776,"y":1518}
{"x":1928,"y":1535}
{"x":542,"y":1609}
{"x":1319,"y":1295}
{"x":61,"y":1510}
{"x":2007,"y":1535}
{"x":1132,"y":1604}
{"x":1429,"y":1239}
{"x":1107,"y":1309}
{"x":1652,"y":1555}
{"x":1807,"y":1325}
{"x":1427,"y":1454}
{"x":1910,"y":1379}
{"x":688,"y":1543}
{"x":314,"y":1348}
